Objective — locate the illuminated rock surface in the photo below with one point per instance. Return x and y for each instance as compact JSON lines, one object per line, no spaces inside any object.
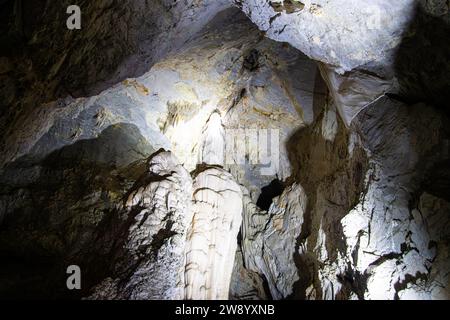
{"x":158,"y":214}
{"x":116,"y":150}
{"x":212,"y":236}
{"x":366,"y":48}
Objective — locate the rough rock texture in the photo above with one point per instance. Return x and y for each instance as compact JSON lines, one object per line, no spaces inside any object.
{"x":175,"y":249}
{"x":59,"y":209}
{"x":395,"y":243}
{"x":346,"y":35}
{"x":351,"y":202}
{"x":367,"y":47}
{"x":138,"y":235}
{"x":431,"y":227}
{"x":158,"y":215}
{"x":225,"y":79}
{"x":42,"y":60}
{"x":181,"y":235}
{"x":305,"y":221}
{"x":246,"y":284}
{"x":363,"y":228}
{"x":265,"y":234}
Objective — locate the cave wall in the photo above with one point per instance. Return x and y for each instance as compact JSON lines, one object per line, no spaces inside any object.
{"x":114,"y":150}
{"x":356,"y":222}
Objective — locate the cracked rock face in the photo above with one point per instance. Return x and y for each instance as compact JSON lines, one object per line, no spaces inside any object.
{"x":225,"y":149}
{"x":366,"y":47}
{"x":267,"y":233}
{"x":181,"y":235}
{"x":357,"y":227}
{"x":158,"y":210}
{"x":392,"y":244}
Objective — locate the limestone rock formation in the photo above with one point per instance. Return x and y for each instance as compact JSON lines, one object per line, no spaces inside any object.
{"x":246,"y":284}
{"x":212,"y":237}
{"x":358,"y":228}
{"x":242,"y":149}
{"x":267,"y":233}
{"x":392,"y":244}
{"x":181,"y":235}
{"x":366,"y":48}
{"x":158,"y":210}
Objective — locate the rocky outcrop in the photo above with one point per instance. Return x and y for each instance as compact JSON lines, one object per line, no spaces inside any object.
{"x":181,"y":235}
{"x":366,"y":48}
{"x":265,"y":234}
{"x":158,"y":213}
{"x":345,"y":37}
{"x":331,"y":34}
{"x":389,"y":240}
{"x":359,"y":227}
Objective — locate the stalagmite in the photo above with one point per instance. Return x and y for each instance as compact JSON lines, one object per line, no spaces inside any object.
{"x":212,"y":237}
{"x":225,"y":149}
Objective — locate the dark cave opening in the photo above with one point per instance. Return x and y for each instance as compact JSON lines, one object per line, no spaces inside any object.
{"x":272,"y":190}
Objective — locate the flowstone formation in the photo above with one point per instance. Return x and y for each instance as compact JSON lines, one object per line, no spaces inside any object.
{"x":212,"y":238}
{"x":180,"y":235}
{"x":157,"y":215}
{"x":232,"y":149}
